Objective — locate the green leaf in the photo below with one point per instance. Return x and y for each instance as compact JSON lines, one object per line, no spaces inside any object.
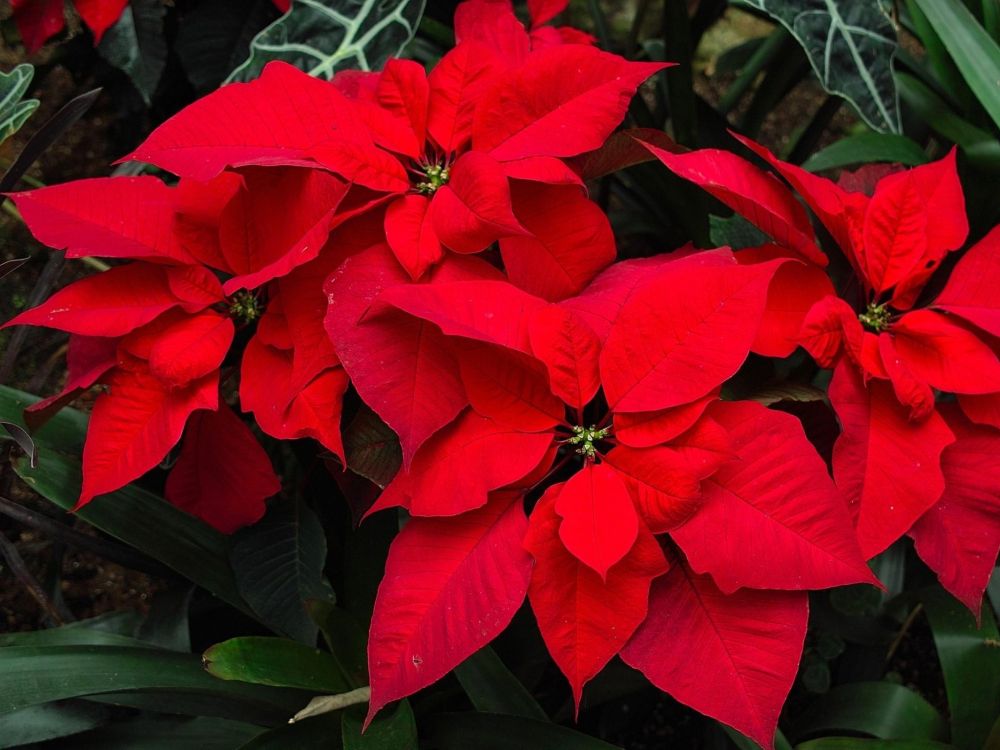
{"x":346,"y":639}
{"x":851,"y":46}
{"x":169,"y":733}
{"x":735,"y":232}
{"x":395,"y":730}
{"x":63,"y":432}
{"x":853,"y":743}
{"x":979,"y":145}
{"x":372,"y":448}
{"x":141,"y":519}
{"x":745,"y":743}
{"x":492,"y":687}
{"x":189,"y":703}
{"x":33,"y":675}
{"x":214,"y":37}
{"x":970,"y":660}
{"x":315,"y":733}
{"x":324,"y":36}
{"x":883,"y":710}
{"x":278,"y":564}
{"x":49,"y":722}
{"x":14,"y":108}
{"x":482,"y":731}
{"x":167,"y":624}
{"x":865,"y":149}
{"x":276,"y":662}
{"x":974,"y":52}
{"x":367,"y":548}
{"x":137,"y":46}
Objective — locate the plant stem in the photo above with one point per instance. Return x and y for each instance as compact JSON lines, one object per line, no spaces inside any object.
{"x":103,"y":548}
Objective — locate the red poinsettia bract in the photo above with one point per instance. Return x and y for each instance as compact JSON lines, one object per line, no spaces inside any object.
{"x":902,"y":458}
{"x":157,"y":332}
{"x":280,"y":180}
{"x":607,"y":401}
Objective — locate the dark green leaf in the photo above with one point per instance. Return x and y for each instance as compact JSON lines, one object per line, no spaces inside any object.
{"x":14,"y":108}
{"x":167,"y":625}
{"x":492,"y":687}
{"x":866,"y":148}
{"x":939,"y":65}
{"x":394,"y":729}
{"x":978,"y":144}
{"x":735,"y":232}
{"x":315,"y":733}
{"x":214,"y":37}
{"x":853,"y":743}
{"x":278,"y":564}
{"x":993,"y":591}
{"x":46,"y":135}
{"x":364,"y":562}
{"x":856,"y":600}
{"x":881,"y":709}
{"x":324,"y":36}
{"x":851,"y":46}
{"x":277,"y":662}
{"x":49,"y":721}
{"x":142,"y":520}
{"x":461,"y":731}
{"x":679,"y":81}
{"x":136,"y":45}
{"x":991,"y":19}
{"x":372,"y":448}
{"x":890,"y":568}
{"x":344,"y":636}
{"x":33,"y":675}
{"x":188,"y":703}
{"x":974,"y":52}
{"x":970,"y":660}
{"x":64,"y":432}
{"x":169,"y":733}
{"x":744,"y":743}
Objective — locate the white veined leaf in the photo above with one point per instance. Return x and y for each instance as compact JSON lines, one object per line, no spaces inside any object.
{"x":14,"y":109}
{"x":324,"y":36}
{"x":851,"y":46}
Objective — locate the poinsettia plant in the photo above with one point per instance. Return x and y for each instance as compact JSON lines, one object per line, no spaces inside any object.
{"x":916,"y":375}
{"x":551,"y":424}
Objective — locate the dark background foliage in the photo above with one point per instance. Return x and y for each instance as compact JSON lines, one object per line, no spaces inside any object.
{"x":132,"y":587}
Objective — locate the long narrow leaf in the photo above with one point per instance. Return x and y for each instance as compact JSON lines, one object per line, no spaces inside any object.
{"x":971,"y":664}
{"x":492,"y":687}
{"x":974,"y":52}
{"x":883,"y":710}
{"x":33,"y":675}
{"x":866,"y":148}
{"x":144,"y":521}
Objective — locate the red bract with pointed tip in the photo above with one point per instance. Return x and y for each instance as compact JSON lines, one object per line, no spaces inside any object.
{"x":466,"y":155}
{"x":158,"y":331}
{"x":892,"y":347}
{"x":685,"y":470}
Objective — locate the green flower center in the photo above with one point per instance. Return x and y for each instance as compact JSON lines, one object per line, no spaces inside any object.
{"x":437,"y":175}
{"x":876,"y":318}
{"x":585,"y":438}
{"x":244,"y":307}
